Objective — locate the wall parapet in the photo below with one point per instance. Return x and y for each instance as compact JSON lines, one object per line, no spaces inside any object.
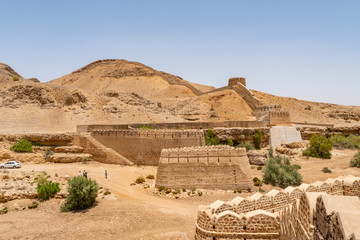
{"x":150,"y":133}
{"x":211,"y":167}
{"x":285,"y":203}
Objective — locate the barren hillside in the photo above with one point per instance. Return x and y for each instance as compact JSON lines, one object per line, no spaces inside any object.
{"x":313,"y":112}
{"x":119,"y":91}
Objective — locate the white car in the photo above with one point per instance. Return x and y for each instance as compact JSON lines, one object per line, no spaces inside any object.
{"x":11,"y":164}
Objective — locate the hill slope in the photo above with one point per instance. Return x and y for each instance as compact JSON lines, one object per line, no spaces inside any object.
{"x":118,"y":91}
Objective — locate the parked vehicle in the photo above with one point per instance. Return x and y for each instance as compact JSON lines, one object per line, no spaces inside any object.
{"x":11,"y":164}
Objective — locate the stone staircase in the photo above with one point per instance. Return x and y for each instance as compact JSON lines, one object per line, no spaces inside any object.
{"x":69,"y":154}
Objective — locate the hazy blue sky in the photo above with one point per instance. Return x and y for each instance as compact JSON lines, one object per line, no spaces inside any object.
{"x":304,"y":49}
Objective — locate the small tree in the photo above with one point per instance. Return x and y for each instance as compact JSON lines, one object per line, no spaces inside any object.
{"x":355,"y":161}
{"x":82,"y":194}
{"x":230,"y":142}
{"x":22,"y":145}
{"x":211,"y":138}
{"x":319,"y":147}
{"x":16,"y":78}
{"x":246,"y":145}
{"x":257,"y":139}
{"x":279,"y":172}
{"x":45,"y":188}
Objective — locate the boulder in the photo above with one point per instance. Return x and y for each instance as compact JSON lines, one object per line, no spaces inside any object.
{"x":258,"y":157}
{"x":294,"y":145}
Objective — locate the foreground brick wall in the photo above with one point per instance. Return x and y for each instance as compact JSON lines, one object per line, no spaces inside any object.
{"x":295,"y":211}
{"x":215,"y":167}
{"x":143,"y":147}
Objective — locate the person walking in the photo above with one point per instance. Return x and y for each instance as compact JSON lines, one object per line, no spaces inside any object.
{"x":80,"y":174}
{"x":105,"y":174}
{"x":85,"y":174}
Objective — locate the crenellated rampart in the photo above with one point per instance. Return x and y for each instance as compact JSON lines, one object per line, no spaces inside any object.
{"x":211,"y":167}
{"x":294,"y":206}
{"x":143,"y":146}
{"x":279,"y":118}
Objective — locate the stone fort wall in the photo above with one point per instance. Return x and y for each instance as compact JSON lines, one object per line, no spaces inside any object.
{"x":212,"y":167}
{"x":279,"y":118}
{"x":143,"y":147}
{"x":292,"y":208}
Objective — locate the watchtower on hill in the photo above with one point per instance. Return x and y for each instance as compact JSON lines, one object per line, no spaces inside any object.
{"x":234,"y":81}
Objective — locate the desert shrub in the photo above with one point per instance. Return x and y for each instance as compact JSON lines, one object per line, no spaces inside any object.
{"x":184,"y":189}
{"x":176,"y":191}
{"x":355,"y":161}
{"x":271,"y":152}
{"x":230,"y":142}
{"x":168,"y":190}
{"x":140,"y":180}
{"x":259,"y":167}
{"x":4,"y":210}
{"x":82,"y":194}
{"x":22,"y":145}
{"x":350,"y":142}
{"x":150,"y":176}
{"x":257,"y":181}
{"x":319,"y":147}
{"x":107,"y":192}
{"x":33,"y":205}
{"x":16,"y":78}
{"x":246,"y":145}
{"x":200,"y":193}
{"x":238,"y":190}
{"x":308,"y":108}
{"x":279,"y":172}
{"x":326,"y":170}
{"x":257,"y":139}
{"x":211,"y":138}
{"x":44,"y":187}
{"x":161,"y":188}
{"x":146,"y":127}
{"x":48,"y":153}
{"x":85,"y":160}
{"x":193,"y":190}
{"x":5,"y":177}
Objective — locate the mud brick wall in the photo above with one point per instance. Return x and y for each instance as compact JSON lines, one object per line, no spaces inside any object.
{"x":279,"y":118}
{"x":211,"y":167}
{"x":143,"y":147}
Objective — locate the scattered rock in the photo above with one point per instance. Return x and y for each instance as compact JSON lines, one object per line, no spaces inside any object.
{"x":258,"y":157}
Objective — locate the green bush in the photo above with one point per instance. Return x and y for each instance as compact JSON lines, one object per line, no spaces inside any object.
{"x":45,"y":188}
{"x":257,"y":181}
{"x":238,"y":190}
{"x":107,"y":192}
{"x":230,"y":142}
{"x":211,"y":138}
{"x":82,"y":194}
{"x":257,"y":139}
{"x":326,"y":170}
{"x":350,"y":142}
{"x":146,"y":127}
{"x":150,"y":176}
{"x":5,"y":177}
{"x":246,"y":145}
{"x":355,"y":161}
{"x":200,"y":193}
{"x":319,"y":147}
{"x":279,"y":172}
{"x":16,"y":78}
{"x":33,"y":205}
{"x":259,"y":168}
{"x":161,"y":188}
{"x":22,"y":145}
{"x":140,"y":180}
{"x":4,"y":210}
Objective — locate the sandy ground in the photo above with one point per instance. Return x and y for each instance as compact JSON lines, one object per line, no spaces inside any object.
{"x":137,"y":213}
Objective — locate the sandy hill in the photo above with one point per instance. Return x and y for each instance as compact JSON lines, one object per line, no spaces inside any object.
{"x":127,"y":77}
{"x":119,"y":91}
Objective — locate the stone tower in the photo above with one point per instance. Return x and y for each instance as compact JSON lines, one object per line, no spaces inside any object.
{"x":234,"y":81}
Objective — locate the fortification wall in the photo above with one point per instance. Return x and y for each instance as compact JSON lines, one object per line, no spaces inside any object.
{"x":212,"y":167}
{"x":234,"y":81}
{"x":250,"y":98}
{"x":143,"y":147}
{"x":179,"y":125}
{"x":243,"y":134}
{"x":279,"y":118}
{"x":294,"y":206}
